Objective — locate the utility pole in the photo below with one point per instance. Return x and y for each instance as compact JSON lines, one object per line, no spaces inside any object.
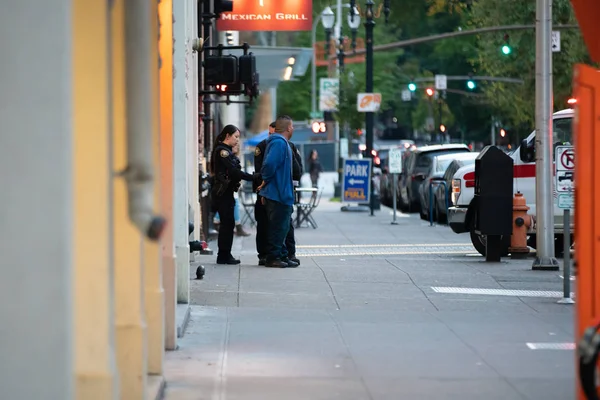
{"x":370,"y":117}
{"x":545,"y":259}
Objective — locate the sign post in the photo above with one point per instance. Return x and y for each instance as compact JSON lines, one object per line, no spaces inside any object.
{"x":565,"y":187}
{"x":356,"y":183}
{"x":395,"y":168}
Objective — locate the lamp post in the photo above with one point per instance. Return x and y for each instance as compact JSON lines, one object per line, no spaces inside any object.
{"x":327,"y":19}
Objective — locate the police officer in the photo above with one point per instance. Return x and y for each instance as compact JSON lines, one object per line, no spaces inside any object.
{"x":227,"y":174}
{"x":260,"y":213}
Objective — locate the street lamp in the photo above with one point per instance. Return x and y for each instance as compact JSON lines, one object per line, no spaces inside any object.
{"x":353,"y":23}
{"x":327,"y":19}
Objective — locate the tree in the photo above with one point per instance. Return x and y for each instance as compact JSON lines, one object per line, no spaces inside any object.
{"x":516,"y":103}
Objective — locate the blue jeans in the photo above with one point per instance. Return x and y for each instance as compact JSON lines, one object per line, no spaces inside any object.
{"x":279,"y":216}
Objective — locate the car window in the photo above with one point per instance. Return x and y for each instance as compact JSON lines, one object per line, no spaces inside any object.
{"x":442,"y":165}
{"x":423,"y":164}
{"x":562,"y":131}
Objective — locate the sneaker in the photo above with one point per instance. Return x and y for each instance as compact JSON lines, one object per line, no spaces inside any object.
{"x":294,"y":259}
{"x":290,"y":263}
{"x":262,"y":261}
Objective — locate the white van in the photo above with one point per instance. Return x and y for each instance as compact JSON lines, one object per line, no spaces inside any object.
{"x":460,"y":214}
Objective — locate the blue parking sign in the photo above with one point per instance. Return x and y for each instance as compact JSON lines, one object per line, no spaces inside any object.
{"x":355,"y":186}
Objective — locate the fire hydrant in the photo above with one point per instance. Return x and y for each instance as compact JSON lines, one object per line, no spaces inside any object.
{"x":521,"y":223}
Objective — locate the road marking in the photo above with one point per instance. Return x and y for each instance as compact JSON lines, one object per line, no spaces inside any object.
{"x":343,"y":246}
{"x":498,"y":292}
{"x":551,"y":346}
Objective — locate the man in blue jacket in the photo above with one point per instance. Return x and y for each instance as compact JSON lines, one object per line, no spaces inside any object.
{"x":278,"y":191}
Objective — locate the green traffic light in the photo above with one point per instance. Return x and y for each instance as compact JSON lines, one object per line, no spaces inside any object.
{"x":506,"y":49}
{"x":471,"y":85}
{"x":412,"y":87}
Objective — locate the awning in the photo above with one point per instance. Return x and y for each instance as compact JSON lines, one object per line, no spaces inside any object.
{"x":272,"y":62}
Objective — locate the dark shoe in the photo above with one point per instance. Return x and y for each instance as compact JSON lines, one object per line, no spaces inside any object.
{"x":294,"y":259}
{"x":276,"y":264}
{"x":262,"y":261}
{"x":230,"y":261}
{"x":290,"y":263}
{"x":239,"y":231}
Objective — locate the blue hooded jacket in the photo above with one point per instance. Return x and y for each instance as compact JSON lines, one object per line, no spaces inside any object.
{"x":277,"y":171}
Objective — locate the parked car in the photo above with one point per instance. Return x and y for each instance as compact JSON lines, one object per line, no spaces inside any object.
{"x":418,"y":164}
{"x":442,"y":194}
{"x":461,"y":216}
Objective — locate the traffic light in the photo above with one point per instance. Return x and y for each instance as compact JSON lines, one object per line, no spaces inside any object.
{"x":471,"y":85}
{"x":319,"y":127}
{"x":506,"y":50}
{"x":502,"y":132}
{"x":412,"y":87}
{"x":220,"y":70}
{"x":429,"y":92}
{"x":442,"y":128}
{"x":572,"y":101}
{"x":221,"y":6}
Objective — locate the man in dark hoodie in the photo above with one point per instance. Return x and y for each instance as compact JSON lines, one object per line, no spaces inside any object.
{"x":260,"y":214}
{"x":277,"y":191}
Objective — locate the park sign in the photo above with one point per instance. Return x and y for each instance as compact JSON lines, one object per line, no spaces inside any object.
{"x":356,"y":181}
{"x":267,"y":15}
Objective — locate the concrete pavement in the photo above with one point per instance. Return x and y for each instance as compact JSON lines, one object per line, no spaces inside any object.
{"x":375,"y":311}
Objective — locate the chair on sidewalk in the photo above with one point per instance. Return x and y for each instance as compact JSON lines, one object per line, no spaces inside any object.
{"x":304,"y":210}
{"x":247,"y":199}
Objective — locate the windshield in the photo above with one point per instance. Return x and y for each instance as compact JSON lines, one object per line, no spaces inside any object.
{"x":562,"y":131}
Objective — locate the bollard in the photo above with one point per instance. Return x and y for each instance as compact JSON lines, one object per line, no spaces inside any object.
{"x":567,"y":259}
{"x":521,"y":222}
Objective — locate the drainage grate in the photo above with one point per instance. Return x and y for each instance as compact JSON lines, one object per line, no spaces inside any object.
{"x":551,"y":346}
{"x":498,"y":292}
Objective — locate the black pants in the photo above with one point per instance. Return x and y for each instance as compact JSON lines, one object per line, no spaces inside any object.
{"x":262,"y":225}
{"x":262,"y":229}
{"x":279,"y":216}
{"x":224,"y":206}
{"x":290,"y":240}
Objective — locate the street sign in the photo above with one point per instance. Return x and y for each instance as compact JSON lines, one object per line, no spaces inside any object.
{"x":555,"y":41}
{"x":565,"y":169}
{"x":441,"y":82}
{"x":343,"y":147}
{"x":316,"y":115}
{"x":395,"y":161}
{"x":355,"y":185}
{"x":328,"y":94}
{"x":368,"y":102}
{"x":566,"y":201}
{"x":406,"y":95}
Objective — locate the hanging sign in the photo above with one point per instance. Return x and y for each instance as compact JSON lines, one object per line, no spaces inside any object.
{"x":267,"y":15}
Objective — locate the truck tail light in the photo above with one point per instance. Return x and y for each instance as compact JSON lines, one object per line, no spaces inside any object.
{"x":455,"y":191}
{"x":470,"y":179}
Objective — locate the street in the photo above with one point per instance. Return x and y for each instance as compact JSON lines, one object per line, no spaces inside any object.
{"x":375,"y":311}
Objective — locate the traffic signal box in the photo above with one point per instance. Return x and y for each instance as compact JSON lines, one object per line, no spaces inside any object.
{"x":230,"y":75}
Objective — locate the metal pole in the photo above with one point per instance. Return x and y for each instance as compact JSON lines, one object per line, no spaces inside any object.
{"x":544,"y":198}
{"x":370,"y":117}
{"x":394,"y":182}
{"x":313,"y":71}
{"x":493,"y":132}
{"x":567,"y":260}
{"x":451,"y":35}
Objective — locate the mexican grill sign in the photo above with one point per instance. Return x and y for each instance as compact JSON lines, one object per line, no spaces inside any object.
{"x":267,"y":15}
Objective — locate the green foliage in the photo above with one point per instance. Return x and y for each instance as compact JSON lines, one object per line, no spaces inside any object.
{"x":516,"y":103}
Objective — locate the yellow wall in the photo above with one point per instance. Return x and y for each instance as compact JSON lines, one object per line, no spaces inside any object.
{"x":129,"y":289}
{"x":95,"y":370}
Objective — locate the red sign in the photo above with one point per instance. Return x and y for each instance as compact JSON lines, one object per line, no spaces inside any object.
{"x":267,"y":15}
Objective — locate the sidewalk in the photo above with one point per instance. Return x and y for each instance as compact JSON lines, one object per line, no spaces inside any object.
{"x":379,"y":312}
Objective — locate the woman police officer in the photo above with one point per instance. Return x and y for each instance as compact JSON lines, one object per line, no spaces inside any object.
{"x":227,"y":174}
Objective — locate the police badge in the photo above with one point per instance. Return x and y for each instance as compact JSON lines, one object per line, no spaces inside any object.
{"x":224,"y":153}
